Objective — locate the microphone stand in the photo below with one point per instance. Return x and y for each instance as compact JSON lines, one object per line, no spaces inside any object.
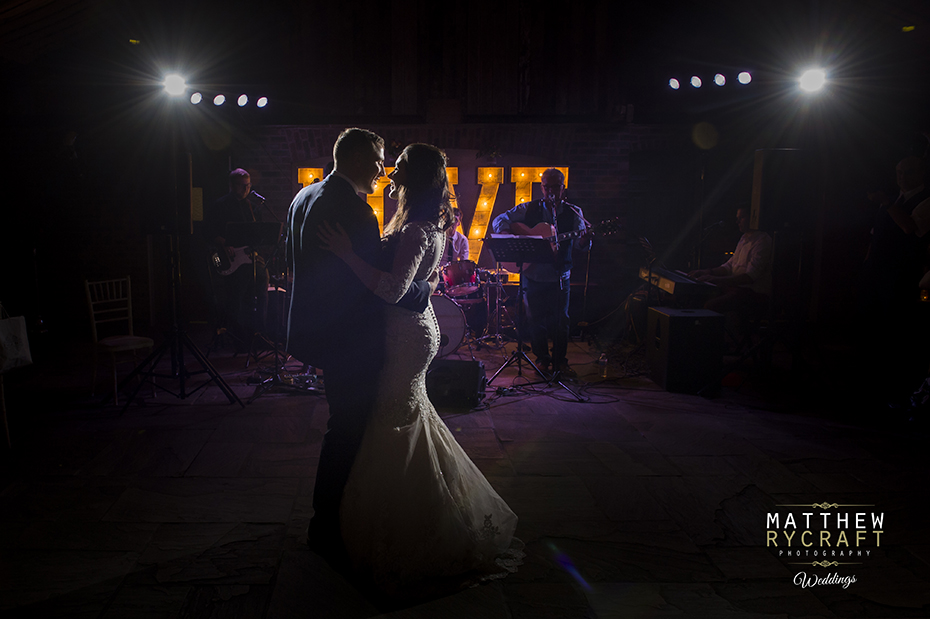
{"x":280,"y":356}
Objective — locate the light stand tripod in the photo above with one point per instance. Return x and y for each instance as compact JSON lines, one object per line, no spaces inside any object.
{"x":177,"y":340}
{"x":524,"y":249}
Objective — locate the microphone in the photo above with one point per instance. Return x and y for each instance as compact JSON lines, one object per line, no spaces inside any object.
{"x":257,"y":195}
{"x":714,"y":225}
{"x":553,"y":202}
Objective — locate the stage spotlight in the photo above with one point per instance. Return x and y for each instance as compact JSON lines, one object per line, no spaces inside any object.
{"x":262,"y":102}
{"x":174,"y":84}
{"x":219,"y":100}
{"x":813,"y":80}
{"x":674,"y":84}
{"x":696,"y":81}
{"x":744,"y":78}
{"x":243,"y":100}
{"x":719,"y":79}
{"x":196,"y":98}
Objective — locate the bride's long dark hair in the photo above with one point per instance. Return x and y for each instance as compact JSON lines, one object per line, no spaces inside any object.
{"x":425,"y":194}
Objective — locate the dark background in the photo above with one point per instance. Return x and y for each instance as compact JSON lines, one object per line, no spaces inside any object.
{"x":87,"y":128}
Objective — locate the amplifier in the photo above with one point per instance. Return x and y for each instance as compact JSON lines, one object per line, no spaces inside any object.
{"x":684,"y":348}
{"x":453,"y":383}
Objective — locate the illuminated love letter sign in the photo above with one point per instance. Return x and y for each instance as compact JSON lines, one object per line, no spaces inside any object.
{"x":308,"y":176}
{"x":524,"y":179}
{"x":376,"y":199}
{"x":490,"y":180}
{"x":453,"y":174}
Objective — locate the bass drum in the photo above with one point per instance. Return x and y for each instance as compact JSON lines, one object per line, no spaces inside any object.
{"x":451,"y":320}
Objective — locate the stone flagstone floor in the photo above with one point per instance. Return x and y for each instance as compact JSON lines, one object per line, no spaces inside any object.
{"x":636,"y":503}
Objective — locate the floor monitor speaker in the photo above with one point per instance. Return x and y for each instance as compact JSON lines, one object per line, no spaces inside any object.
{"x":684,"y":348}
{"x":453,"y":383}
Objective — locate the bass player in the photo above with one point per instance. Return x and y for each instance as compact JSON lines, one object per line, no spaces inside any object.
{"x":242,"y":294}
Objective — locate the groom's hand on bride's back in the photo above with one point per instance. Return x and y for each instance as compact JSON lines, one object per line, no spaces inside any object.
{"x":434,"y":280}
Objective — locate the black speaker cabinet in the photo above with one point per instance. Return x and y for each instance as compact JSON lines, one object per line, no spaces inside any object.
{"x":784,"y":190}
{"x":452,"y":383}
{"x":684,"y":348}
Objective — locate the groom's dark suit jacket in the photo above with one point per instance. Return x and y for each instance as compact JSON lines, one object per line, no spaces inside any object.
{"x":331,"y":310}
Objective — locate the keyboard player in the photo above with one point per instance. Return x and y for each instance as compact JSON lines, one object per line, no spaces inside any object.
{"x":745,"y":280}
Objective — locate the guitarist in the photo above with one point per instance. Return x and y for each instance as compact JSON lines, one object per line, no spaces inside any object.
{"x":241,"y":296}
{"x":547,"y":284}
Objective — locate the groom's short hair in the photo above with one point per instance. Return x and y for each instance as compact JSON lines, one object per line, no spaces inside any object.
{"x":353,"y":141}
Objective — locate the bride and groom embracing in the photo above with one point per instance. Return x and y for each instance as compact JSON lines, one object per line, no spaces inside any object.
{"x":397,"y":502}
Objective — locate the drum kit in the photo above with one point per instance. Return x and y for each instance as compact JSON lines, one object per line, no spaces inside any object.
{"x":463,"y":303}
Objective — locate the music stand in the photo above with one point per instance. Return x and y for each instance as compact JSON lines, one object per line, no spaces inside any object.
{"x":520,"y":249}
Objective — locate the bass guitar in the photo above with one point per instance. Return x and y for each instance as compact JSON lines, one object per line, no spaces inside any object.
{"x":226,"y":266}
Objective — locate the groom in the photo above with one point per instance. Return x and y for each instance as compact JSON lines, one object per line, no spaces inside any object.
{"x":335,"y":322}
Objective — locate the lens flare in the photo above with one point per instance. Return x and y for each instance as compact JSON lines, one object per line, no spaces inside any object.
{"x":568,"y":565}
{"x":813,"y":80}
{"x":174,"y":84}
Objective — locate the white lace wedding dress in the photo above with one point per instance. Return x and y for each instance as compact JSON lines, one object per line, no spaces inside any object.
{"x":416,"y":509}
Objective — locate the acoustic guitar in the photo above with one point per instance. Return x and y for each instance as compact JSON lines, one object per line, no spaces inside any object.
{"x":547,"y":232}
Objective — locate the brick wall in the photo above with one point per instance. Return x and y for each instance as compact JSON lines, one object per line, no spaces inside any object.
{"x":598,"y":156}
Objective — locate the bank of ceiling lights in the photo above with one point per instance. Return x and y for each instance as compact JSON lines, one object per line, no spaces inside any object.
{"x":176,"y":86}
{"x":718,"y":80}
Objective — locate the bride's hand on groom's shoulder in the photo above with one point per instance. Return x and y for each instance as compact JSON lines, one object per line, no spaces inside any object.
{"x":334,"y":239}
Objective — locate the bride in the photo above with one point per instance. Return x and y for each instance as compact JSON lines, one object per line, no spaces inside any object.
{"x":416,"y":511}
